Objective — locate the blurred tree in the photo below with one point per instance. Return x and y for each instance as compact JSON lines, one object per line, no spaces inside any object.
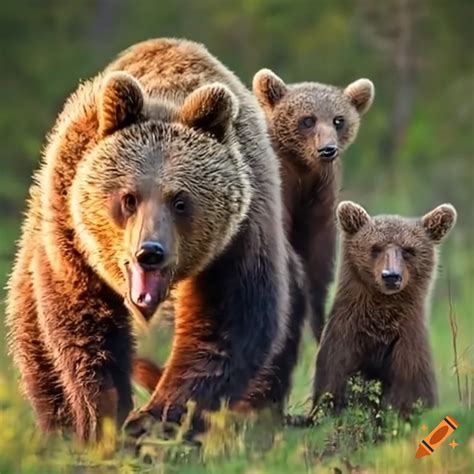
{"x":393,"y":28}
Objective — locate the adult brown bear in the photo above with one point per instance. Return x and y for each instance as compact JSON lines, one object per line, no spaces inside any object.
{"x":158,"y":174}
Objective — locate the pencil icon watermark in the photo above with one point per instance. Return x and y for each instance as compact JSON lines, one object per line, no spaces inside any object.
{"x":437,"y":437}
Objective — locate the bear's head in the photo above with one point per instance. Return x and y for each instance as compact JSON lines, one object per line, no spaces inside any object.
{"x":312,"y":122}
{"x":163,"y":190}
{"x":390,"y":253}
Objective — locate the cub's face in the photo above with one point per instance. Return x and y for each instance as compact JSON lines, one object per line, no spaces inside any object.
{"x":392,"y":253}
{"x":158,"y":198}
{"x":313,"y":122}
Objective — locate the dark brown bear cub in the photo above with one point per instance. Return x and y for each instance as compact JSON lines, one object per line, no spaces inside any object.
{"x":377,"y":324}
{"x":310,"y":125}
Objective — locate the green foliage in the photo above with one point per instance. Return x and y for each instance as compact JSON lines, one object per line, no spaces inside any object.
{"x":364,"y":422}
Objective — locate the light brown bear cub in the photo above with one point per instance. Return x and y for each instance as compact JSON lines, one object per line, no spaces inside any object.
{"x":310,"y":125}
{"x":377,"y":324}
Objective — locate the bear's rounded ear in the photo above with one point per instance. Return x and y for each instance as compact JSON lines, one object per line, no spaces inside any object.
{"x":351,"y":217}
{"x":438,"y":222}
{"x":120,"y":102}
{"x":361,"y":93}
{"x":268,"y":88}
{"x":211,"y":108}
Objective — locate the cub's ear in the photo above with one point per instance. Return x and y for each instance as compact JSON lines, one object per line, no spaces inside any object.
{"x":120,"y":102}
{"x":351,"y":217}
{"x":361,"y":93}
{"x":268,"y":88}
{"x":438,"y":222}
{"x":211,"y":108}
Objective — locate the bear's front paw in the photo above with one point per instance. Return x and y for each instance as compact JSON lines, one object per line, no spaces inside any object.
{"x":155,"y":420}
{"x":139,"y":423}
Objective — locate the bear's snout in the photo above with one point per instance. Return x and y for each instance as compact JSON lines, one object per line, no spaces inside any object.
{"x":328,"y":152}
{"x":392,"y":279}
{"x":391,"y":271}
{"x":151,"y":255}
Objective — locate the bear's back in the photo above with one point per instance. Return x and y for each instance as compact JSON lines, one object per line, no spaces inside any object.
{"x":173,"y":68}
{"x":170,"y":69}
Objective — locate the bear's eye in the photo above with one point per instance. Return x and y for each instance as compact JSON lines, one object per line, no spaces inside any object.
{"x":179,"y":204}
{"x":129,"y":203}
{"x":408,"y":252}
{"x":307,"y":122}
{"x":338,"y":122}
{"x":375,"y":250}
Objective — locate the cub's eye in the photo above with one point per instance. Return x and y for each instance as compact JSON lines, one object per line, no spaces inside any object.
{"x":408,"y":252}
{"x":376,"y":250}
{"x":338,"y":122}
{"x":179,"y":204}
{"x":307,"y":122}
{"x":129,"y":203}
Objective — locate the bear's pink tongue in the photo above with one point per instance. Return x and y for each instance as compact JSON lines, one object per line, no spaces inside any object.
{"x":145,"y":287}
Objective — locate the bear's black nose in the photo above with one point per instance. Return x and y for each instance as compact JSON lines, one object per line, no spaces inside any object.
{"x":328,"y":152}
{"x":151,"y":255}
{"x":391,"y":278}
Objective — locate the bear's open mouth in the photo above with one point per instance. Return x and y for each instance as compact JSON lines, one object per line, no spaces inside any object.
{"x":146,"y":289}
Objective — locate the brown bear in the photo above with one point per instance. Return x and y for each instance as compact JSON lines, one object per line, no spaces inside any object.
{"x":310,"y":125}
{"x":157,"y":174}
{"x":377,"y":324}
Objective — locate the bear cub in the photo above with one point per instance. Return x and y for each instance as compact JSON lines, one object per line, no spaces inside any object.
{"x":377,"y":324}
{"x":310,"y":125}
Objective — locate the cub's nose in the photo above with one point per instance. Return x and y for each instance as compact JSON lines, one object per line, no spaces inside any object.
{"x":328,"y":153}
{"x":151,"y":255}
{"x":391,"y":278}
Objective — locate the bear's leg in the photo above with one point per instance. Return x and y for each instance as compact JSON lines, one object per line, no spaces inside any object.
{"x":318,"y":294}
{"x":335,"y":363}
{"x":120,"y":372}
{"x":115,"y":399}
{"x":315,"y":241}
{"x":40,"y":382}
{"x":96,"y":382}
{"x":411,"y":376}
{"x":87,"y":330}
{"x":271,"y":386}
{"x":39,"y":379}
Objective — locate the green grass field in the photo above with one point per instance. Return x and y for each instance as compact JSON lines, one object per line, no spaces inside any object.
{"x":352,"y":443}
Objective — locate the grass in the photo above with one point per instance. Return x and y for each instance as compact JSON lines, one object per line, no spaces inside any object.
{"x":357,"y":442}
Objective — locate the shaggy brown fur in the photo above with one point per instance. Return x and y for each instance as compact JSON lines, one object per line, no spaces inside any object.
{"x":377,"y":324}
{"x":156,"y":176}
{"x":304,"y":121}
